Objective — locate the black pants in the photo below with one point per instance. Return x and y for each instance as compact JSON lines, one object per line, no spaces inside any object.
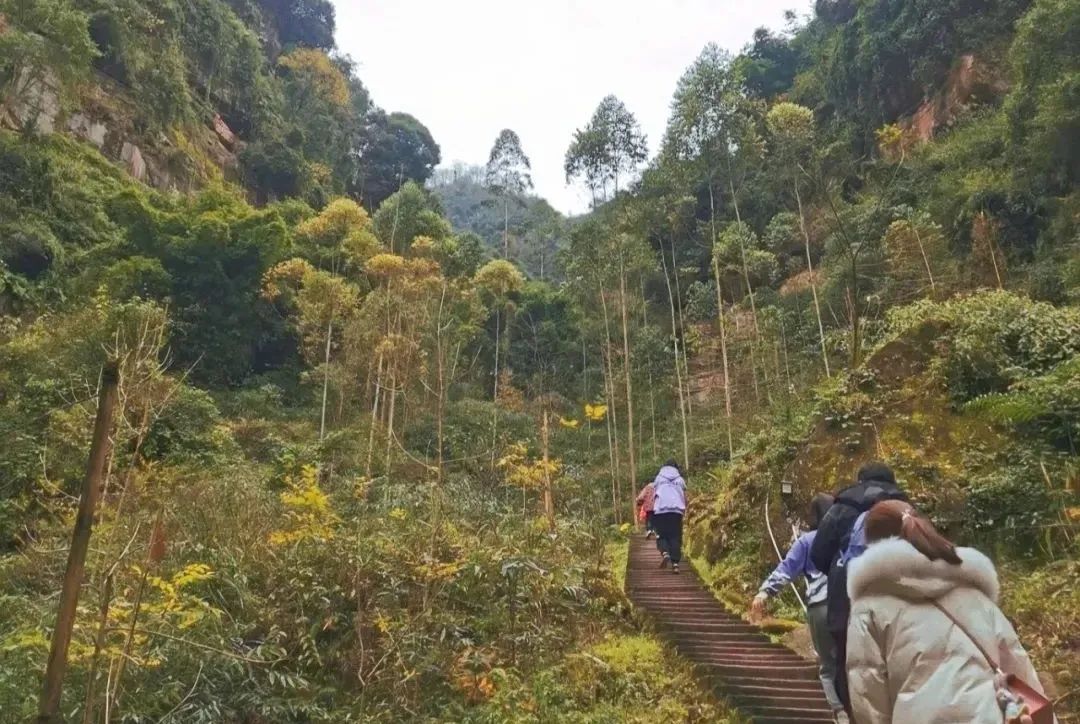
{"x":649,"y":521}
{"x":841,"y":669}
{"x":839,"y":614}
{"x":668,"y":527}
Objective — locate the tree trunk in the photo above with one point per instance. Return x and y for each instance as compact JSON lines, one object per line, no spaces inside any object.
{"x":48,"y":710}
{"x":326,"y":378}
{"x":724,"y":356}
{"x":787,"y":365}
{"x":813,"y":281}
{"x":652,"y":391}
{"x":613,"y":462}
{"x":440,"y":412}
{"x":753,"y":304}
{"x":390,"y":422}
{"x":853,"y":312}
{"x":612,"y":407}
{"x":926,"y":260}
{"x":585,"y":393}
{"x":627,"y":377}
{"x":549,"y":499}
{"x":682,"y":326}
{"x":397,"y":210}
{"x":678,"y":368}
{"x":495,"y":389}
{"x":374,"y":418}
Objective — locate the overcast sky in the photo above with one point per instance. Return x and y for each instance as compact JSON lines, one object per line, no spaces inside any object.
{"x":469,"y":68}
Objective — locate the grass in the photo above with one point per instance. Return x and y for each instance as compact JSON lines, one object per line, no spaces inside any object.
{"x":618,"y":553}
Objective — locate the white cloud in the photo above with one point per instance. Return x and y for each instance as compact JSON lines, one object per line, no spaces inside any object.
{"x":470,"y":68}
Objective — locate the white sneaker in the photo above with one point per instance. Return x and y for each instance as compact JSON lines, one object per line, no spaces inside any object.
{"x":842,"y":717}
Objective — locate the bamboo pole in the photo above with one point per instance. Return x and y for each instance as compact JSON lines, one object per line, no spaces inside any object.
{"x":48,"y":710}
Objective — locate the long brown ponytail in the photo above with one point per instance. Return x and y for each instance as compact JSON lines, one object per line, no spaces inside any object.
{"x":895,"y":518}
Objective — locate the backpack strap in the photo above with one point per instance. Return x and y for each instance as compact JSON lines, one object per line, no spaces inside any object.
{"x":986,"y":655}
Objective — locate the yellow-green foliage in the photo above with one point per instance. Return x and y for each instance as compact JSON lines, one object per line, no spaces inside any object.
{"x":308,"y":513}
{"x":618,"y":553}
{"x":621,"y":678}
{"x":315,"y":69}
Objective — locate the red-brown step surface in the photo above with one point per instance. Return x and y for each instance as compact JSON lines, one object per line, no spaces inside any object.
{"x":766,"y":681}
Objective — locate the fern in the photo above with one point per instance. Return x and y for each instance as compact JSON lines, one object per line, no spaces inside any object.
{"x":1051,"y":401}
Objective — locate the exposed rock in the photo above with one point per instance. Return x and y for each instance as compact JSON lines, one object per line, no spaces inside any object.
{"x":40,"y":103}
{"x":228,"y":138}
{"x":970,"y":82}
{"x":132,"y":157}
{"x":87,"y":129}
{"x":108,"y":118}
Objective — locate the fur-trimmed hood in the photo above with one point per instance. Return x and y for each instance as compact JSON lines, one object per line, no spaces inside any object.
{"x":895,"y":567}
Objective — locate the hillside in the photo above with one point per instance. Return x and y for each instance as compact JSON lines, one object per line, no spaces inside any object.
{"x":186,"y":93}
{"x":377,"y":429}
{"x":534,"y":231}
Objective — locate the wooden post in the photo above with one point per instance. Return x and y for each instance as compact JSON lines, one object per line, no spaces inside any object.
{"x":80,"y":541}
{"x":549,"y":498}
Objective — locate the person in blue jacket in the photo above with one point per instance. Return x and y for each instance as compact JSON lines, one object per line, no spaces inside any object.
{"x":797,"y":564}
{"x":669,"y":507}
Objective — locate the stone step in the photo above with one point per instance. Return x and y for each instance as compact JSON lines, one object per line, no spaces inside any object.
{"x":792,"y":673}
{"x":684,"y":624}
{"x":771,"y":713}
{"x":780,"y":699}
{"x":765,"y":683}
{"x":765,"y":680}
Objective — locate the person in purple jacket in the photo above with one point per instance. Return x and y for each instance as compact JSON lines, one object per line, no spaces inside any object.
{"x":669,"y":507}
{"x":797,"y":564}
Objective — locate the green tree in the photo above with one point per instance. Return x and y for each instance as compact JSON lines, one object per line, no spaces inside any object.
{"x":768,"y":65}
{"x":407,"y":214}
{"x":308,"y":23}
{"x":611,"y":146}
{"x":392,"y":149}
{"x":340,"y":238}
{"x":1044,"y":115}
{"x":507,"y":176}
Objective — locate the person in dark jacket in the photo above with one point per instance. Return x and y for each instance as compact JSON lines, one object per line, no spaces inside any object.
{"x":875,"y":482}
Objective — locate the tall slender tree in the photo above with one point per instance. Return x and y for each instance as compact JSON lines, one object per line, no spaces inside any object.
{"x":609,"y":148}
{"x":711,"y":129}
{"x":507,"y":175}
{"x":792,"y":129}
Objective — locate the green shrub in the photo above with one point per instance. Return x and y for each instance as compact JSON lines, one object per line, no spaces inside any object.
{"x":995,"y":339}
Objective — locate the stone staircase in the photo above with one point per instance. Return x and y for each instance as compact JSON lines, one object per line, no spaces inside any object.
{"x":768,"y":682}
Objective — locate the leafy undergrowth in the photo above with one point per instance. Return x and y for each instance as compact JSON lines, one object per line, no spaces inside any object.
{"x":1044,"y":605}
{"x":272,"y":596}
{"x":621,"y":678}
{"x":937,"y":400}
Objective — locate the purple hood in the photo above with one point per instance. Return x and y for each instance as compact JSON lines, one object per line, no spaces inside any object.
{"x":670,"y":491}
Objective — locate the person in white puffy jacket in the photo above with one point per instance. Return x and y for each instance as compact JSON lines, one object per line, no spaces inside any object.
{"x":907,"y":660}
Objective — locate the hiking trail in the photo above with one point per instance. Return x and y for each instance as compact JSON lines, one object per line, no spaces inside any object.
{"x":766,"y":681}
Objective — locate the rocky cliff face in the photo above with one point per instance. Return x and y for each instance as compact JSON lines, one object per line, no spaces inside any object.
{"x":180,"y":159}
{"x":971,"y":82}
